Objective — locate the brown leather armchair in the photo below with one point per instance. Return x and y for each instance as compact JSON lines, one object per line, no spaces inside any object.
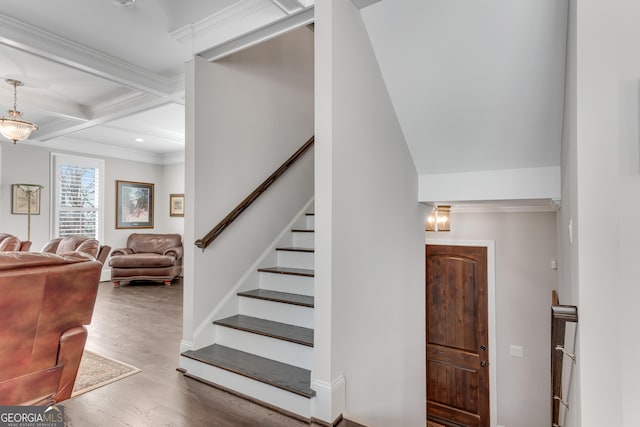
{"x":9,"y":242}
{"x":62,"y":245}
{"x":147,"y":257}
{"x":46,"y":301}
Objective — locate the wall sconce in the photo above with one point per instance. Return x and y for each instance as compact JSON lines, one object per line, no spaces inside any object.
{"x":439,"y":219}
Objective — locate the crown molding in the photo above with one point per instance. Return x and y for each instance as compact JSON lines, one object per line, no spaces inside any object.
{"x":237,"y":21}
{"x":229,"y":16}
{"x":27,"y":38}
{"x":289,"y":6}
{"x":174,"y":158}
{"x":75,"y":145}
{"x":259,"y":35}
{"x":507,"y":206}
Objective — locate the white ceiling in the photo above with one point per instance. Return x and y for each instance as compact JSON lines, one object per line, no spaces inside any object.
{"x":98,"y":76}
{"x":476,"y":85}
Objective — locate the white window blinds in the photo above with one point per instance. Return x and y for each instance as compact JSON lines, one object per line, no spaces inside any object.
{"x":78,"y":196}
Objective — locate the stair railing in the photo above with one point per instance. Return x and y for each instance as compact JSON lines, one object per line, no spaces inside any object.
{"x":237,"y":211}
{"x":560,"y":315}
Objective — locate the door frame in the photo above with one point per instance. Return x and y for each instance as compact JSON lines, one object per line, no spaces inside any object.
{"x":491,"y":313}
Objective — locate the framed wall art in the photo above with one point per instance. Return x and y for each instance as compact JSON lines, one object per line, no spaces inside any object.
{"x":134,"y":204}
{"x":22,"y":195}
{"x":176,"y":204}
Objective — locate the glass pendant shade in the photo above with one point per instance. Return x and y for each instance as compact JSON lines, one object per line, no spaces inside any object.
{"x":14,"y":127}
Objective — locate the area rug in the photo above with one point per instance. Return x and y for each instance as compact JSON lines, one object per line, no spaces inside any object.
{"x":96,"y":371}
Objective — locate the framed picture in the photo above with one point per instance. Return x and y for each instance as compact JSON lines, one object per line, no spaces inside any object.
{"x":176,"y":204}
{"x":20,"y":195}
{"x":134,"y":204}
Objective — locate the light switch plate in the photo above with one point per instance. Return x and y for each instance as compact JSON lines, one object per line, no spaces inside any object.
{"x":516,"y":351}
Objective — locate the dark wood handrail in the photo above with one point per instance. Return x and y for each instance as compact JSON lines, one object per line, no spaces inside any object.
{"x":222,"y":225}
{"x":560,"y":315}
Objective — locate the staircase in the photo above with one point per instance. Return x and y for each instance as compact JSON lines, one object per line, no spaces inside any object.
{"x":265,"y":351}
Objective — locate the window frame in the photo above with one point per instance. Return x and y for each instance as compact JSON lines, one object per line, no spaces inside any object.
{"x":57,"y":159}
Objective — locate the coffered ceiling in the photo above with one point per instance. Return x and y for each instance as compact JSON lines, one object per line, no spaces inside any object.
{"x":109,"y":80}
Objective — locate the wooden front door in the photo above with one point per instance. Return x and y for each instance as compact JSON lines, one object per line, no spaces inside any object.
{"x":457,"y":335}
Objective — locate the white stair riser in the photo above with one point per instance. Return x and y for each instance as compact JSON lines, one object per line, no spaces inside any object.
{"x":304,"y":240}
{"x":277,"y":311}
{"x":257,"y":390}
{"x":291,"y":283}
{"x":310,"y":222}
{"x":294,"y":259}
{"x":271,"y":348}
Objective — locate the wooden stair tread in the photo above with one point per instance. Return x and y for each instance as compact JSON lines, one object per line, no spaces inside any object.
{"x":269,"y":328}
{"x":287,"y":270}
{"x":296,"y":249}
{"x":283,"y":297}
{"x":287,"y":377}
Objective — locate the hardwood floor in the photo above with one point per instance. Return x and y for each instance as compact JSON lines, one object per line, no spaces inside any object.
{"x":141,"y":324}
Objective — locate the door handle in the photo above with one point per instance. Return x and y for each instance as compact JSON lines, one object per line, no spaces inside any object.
{"x":483,"y":347}
{"x":483,"y":364}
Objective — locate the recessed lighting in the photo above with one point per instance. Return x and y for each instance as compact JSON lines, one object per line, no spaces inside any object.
{"x":123,"y":3}
{"x":139,"y":140}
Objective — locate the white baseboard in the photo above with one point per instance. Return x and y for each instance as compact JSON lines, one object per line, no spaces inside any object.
{"x":330,"y":400}
{"x":185,"y":345}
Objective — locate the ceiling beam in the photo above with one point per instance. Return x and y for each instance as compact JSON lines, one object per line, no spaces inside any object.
{"x":48,"y":105}
{"x":27,"y":38}
{"x":114,"y":111}
{"x":260,"y":35}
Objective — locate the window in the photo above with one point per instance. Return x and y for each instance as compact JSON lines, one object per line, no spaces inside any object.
{"x":78,"y":195}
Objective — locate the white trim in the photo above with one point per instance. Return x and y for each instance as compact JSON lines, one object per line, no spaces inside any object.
{"x":185,"y":345}
{"x":289,"y":6}
{"x":504,"y":184}
{"x":330,"y":400}
{"x":491,"y":302}
{"x":92,"y":162}
{"x":238,"y":11}
{"x":507,"y":206}
{"x":259,"y":35}
{"x":206,"y":324}
{"x":27,"y":38}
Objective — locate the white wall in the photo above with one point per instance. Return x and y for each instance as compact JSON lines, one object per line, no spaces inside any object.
{"x":246,"y":115}
{"x":607,"y":193}
{"x":173,"y":182}
{"x":370,"y":312}
{"x":24,"y":163}
{"x":525,"y":245}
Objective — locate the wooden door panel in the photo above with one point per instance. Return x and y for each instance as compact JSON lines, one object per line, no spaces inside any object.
{"x":443,"y":412}
{"x":453,"y":295}
{"x":457,"y":335}
{"x":451,"y":386}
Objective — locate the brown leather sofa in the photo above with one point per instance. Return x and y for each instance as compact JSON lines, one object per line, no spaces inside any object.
{"x":155,"y":257}
{"x":9,"y":242}
{"x":83,"y":244}
{"x":46,"y":301}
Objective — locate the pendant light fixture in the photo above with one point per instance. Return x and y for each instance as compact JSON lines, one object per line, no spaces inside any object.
{"x":13,"y":127}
